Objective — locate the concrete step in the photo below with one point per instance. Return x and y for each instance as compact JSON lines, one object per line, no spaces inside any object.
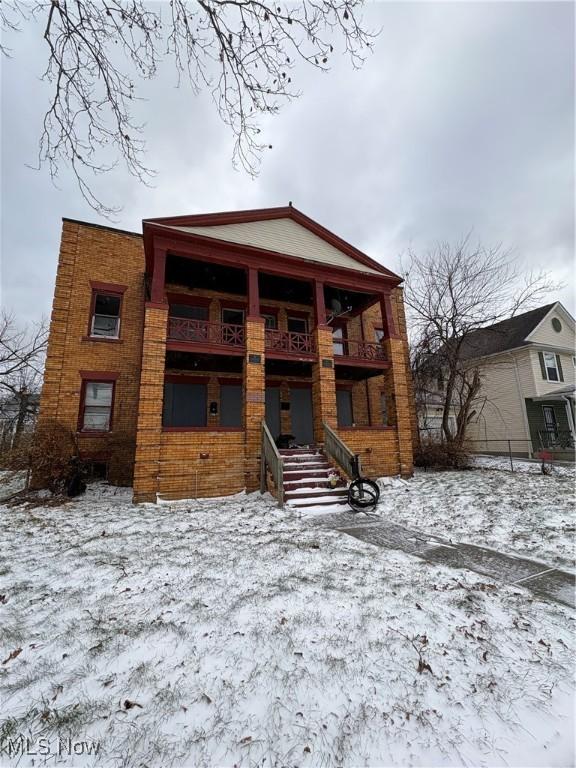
{"x":302,"y":493}
{"x":319,"y":503}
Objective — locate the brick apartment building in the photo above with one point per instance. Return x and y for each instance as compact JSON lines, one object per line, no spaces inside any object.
{"x":168,"y":349}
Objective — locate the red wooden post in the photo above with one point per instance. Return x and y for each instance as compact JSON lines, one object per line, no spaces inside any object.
{"x":158,"y":276}
{"x":253,"y":294}
{"x":387,"y":316}
{"x":319,"y":306}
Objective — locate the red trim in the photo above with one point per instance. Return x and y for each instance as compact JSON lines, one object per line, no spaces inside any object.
{"x":178,"y":378}
{"x":189,"y":299}
{"x":156,"y":305}
{"x":272,"y":262}
{"x":269,"y":311}
{"x":319,"y":304}
{"x":98,"y":377}
{"x":232,"y":304}
{"x":356,"y":362}
{"x":253,"y":293}
{"x":158,"y":275}
{"x":300,"y":314}
{"x":299,"y":384}
{"x":107,"y":339}
{"x":202,"y":429}
{"x":348,"y":385}
{"x":376,"y":428}
{"x":387,"y":316}
{"x":204,"y":349}
{"x":232,"y":381}
{"x":108,"y":287}
{"x":289,"y":212}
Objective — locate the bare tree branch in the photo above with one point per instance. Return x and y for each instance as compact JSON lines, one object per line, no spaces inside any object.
{"x":243,"y":52}
{"x":451,"y":292}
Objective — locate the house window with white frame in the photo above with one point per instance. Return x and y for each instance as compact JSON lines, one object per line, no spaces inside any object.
{"x":551,"y":366}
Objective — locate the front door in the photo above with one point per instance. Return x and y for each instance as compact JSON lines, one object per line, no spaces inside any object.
{"x":550,"y":420}
{"x":301,"y":413}
{"x":273,"y":410}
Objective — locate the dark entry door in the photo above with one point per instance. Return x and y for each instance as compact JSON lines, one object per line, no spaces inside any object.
{"x":550,"y":420}
{"x":301,"y":413}
{"x":344,"y":407}
{"x":273,"y":410}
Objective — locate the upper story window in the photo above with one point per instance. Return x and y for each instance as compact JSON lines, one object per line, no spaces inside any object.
{"x":270,"y":321}
{"x":297,"y":325}
{"x":551,"y":366}
{"x":189,"y":311}
{"x":232,"y":316}
{"x":556,"y":324}
{"x":105,"y":312}
{"x":96,"y":409}
{"x":379,"y":334}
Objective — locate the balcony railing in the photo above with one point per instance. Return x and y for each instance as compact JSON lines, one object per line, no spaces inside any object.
{"x":289,"y":342}
{"x":556,"y":439}
{"x":359,"y":350}
{"x":204,"y":332}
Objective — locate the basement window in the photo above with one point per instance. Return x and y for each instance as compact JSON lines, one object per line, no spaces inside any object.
{"x":105,"y":320}
{"x":96,"y":406}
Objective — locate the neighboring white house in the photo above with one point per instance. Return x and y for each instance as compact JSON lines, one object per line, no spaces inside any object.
{"x":527,"y":364}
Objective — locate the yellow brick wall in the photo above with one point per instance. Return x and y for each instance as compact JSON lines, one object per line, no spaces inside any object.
{"x":92,"y":253}
{"x":198,"y":464}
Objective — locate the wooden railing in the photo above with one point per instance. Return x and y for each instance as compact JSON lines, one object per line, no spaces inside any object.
{"x":270,"y":457}
{"x":289,"y":341}
{"x":337,"y":450}
{"x":204,"y":332}
{"x":360,"y":350}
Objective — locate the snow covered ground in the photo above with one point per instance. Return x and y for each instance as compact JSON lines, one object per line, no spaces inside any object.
{"x":516,"y":512}
{"x":228,"y":632}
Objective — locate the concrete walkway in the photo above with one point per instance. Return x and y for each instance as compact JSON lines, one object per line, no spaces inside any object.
{"x":546,"y":582}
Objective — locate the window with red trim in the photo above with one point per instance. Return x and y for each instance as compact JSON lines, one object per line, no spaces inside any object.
{"x":96,"y":406}
{"x":105,"y":317}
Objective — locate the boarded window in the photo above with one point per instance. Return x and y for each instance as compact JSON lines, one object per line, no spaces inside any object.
{"x":344,"y":407}
{"x":184,"y":405}
{"x":231,"y":405}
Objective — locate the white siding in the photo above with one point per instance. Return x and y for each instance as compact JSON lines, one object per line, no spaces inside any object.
{"x":500,"y":405}
{"x":284,"y":236}
{"x":543,"y":387}
{"x":545,"y":333}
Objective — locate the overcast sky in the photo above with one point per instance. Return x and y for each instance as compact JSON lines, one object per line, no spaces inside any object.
{"x":462,"y":119}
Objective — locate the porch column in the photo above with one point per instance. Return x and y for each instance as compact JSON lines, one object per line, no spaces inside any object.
{"x":253,"y":294}
{"x":387,"y":316}
{"x":157,"y":292}
{"x":323,"y":374}
{"x":396,"y":348}
{"x":254,"y":399}
{"x":151,"y":398}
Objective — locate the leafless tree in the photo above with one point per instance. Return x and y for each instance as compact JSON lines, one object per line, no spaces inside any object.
{"x":22,"y":351}
{"x":243,"y":51}
{"x":451,"y":292}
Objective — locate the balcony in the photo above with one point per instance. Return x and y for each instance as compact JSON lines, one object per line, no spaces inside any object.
{"x":222,"y":338}
{"x":364,"y":353}
{"x":290,"y":344}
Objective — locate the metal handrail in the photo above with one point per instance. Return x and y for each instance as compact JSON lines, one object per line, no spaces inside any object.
{"x":337,"y":450}
{"x":270,"y":457}
{"x":556,"y":438}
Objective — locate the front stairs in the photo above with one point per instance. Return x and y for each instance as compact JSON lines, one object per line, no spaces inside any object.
{"x":307,"y":487}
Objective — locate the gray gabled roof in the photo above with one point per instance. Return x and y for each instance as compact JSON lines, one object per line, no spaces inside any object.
{"x":508,"y":334}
